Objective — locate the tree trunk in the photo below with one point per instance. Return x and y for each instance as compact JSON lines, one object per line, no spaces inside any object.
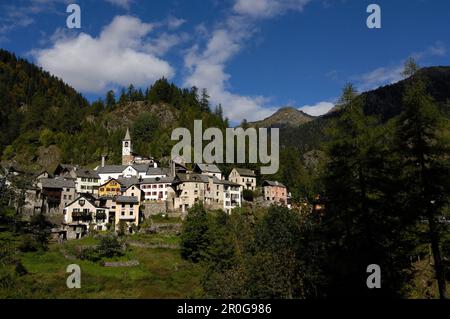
{"x":438,"y":267}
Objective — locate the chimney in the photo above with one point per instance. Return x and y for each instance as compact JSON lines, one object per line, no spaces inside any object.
{"x":172,"y":168}
{"x":103,"y":160}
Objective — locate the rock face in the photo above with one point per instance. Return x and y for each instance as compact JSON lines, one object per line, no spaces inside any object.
{"x":285,"y":117}
{"x":127,"y":114}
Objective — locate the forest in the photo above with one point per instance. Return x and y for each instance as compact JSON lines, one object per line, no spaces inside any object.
{"x":370,"y":182}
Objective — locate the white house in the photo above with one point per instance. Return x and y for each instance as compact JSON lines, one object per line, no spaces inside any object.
{"x":81,"y":213}
{"x":143,"y":171}
{"x":156,"y":189}
{"x":87,"y":181}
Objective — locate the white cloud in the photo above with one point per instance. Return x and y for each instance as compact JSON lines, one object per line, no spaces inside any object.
{"x":317,"y":109}
{"x":118,"y":57}
{"x":206,"y":65}
{"x":267,"y":8}
{"x":392,"y":74}
{"x":166,"y":41}
{"x":378,"y":77}
{"x":174,"y":22}
{"x":121,"y":3}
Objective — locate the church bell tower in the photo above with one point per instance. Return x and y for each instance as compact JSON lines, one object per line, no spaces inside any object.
{"x":127,"y":151}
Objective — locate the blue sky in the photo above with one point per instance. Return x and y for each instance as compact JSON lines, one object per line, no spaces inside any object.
{"x":253,"y":56}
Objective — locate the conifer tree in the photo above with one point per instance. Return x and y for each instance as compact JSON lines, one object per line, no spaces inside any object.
{"x":425,"y":165}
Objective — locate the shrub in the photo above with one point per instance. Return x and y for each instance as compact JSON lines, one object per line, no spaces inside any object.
{"x":109,"y":247}
{"x":28,"y":244}
{"x":194,"y":237}
{"x":248,"y":195}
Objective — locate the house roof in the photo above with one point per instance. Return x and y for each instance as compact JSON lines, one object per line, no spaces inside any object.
{"x":207,"y":168}
{"x":163,"y":180}
{"x":111,"y":169}
{"x":57,"y":183}
{"x":225,"y":182}
{"x":87,"y":197}
{"x":245,"y":172}
{"x":87,"y":173}
{"x":127,"y":199}
{"x":128,"y":182}
{"x":191,"y":178}
{"x":158,"y":171}
{"x":273,"y":183}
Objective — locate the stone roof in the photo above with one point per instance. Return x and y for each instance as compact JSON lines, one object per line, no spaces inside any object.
{"x":57,"y":183}
{"x":208,"y":168}
{"x":128,"y":182}
{"x":158,"y":171}
{"x":225,"y":182}
{"x":274,"y":184}
{"x":245,"y":172}
{"x":127,"y":200}
{"x":117,"y":169}
{"x":111,"y":169}
{"x":86,"y":173}
{"x":164,"y":180}
{"x":191,"y":178}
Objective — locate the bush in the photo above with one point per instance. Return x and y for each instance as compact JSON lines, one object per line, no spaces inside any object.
{"x":20,"y":269}
{"x":28,"y":244}
{"x":90,"y":254}
{"x":122,"y":228}
{"x":109,"y":247}
{"x":248,"y":195}
{"x":194,"y":237}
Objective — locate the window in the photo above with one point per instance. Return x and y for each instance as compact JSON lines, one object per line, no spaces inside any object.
{"x":131,"y":206}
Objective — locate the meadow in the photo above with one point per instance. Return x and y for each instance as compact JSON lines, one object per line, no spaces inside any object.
{"x":161,"y":272}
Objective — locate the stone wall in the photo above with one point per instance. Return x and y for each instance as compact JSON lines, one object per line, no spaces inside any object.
{"x":154,"y":208}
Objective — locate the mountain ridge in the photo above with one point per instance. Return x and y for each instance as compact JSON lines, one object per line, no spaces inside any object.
{"x":286,"y":116}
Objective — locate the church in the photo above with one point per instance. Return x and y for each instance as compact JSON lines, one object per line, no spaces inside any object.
{"x":130,"y":158}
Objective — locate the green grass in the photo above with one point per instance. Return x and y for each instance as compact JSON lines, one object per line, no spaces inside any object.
{"x":162,"y":273}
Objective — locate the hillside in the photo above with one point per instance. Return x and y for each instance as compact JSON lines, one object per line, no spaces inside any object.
{"x":284,"y":117}
{"x":43,"y":121}
{"x":385,"y":103}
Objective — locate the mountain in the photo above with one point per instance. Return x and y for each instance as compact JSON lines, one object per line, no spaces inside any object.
{"x":385,"y":103}
{"x":44,"y":121}
{"x":284,"y":117}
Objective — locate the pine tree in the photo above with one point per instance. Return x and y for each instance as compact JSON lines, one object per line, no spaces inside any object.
{"x":110,"y":100}
{"x":361,"y":224}
{"x":204,"y":101}
{"x":425,"y":166}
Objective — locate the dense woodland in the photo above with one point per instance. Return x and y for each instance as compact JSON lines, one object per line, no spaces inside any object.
{"x":379,"y":166}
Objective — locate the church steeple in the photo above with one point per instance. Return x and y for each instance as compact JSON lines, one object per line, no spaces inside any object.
{"x":127,"y":151}
{"x":127,"y":135}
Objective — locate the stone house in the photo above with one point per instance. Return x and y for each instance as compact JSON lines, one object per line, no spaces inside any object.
{"x":82,"y":213}
{"x":275,"y":192}
{"x":56,"y":193}
{"x":244,"y":177}
{"x":208,"y":169}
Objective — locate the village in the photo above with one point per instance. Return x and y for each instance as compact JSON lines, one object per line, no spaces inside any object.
{"x":113,"y":197}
